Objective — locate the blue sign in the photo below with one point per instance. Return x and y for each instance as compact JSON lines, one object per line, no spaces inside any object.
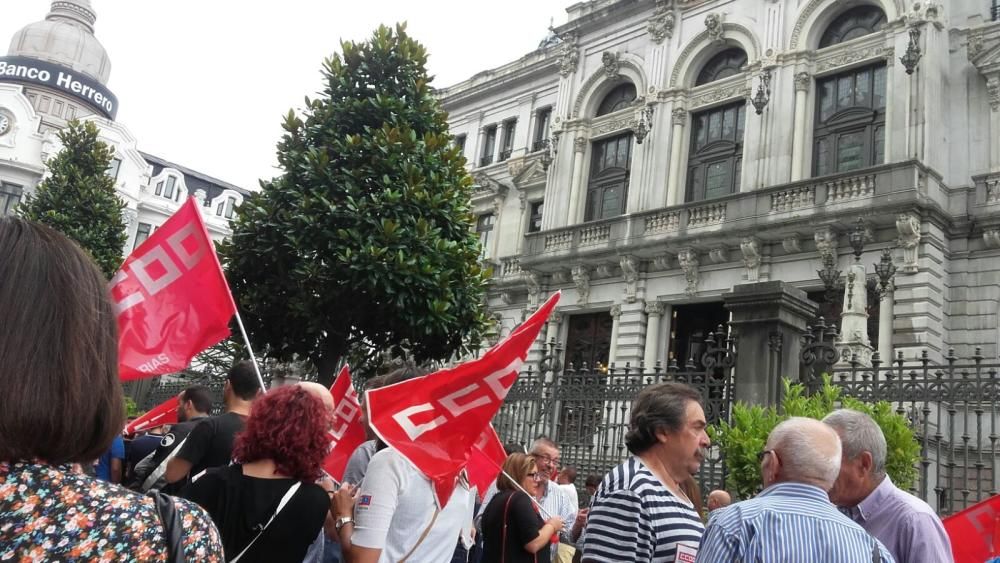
{"x":62,"y":79}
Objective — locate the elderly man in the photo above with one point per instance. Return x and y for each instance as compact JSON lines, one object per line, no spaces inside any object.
{"x":792,"y":519}
{"x":905,"y":524}
{"x":718,"y":499}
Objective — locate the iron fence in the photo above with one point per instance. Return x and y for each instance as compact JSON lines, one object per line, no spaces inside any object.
{"x":951,"y":407}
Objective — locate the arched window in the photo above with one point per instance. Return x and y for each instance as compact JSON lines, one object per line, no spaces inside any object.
{"x":716,"y":157}
{"x":856,"y":22}
{"x":724,"y":64}
{"x":620,"y":98}
{"x":610,"y":163}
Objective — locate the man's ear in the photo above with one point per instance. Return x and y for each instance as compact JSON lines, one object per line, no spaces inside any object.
{"x":866,"y":462}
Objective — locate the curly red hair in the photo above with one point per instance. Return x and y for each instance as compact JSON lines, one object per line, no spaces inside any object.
{"x":288,"y":425}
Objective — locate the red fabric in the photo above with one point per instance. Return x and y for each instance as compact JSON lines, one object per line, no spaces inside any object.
{"x":163,"y":413}
{"x":171,"y":298}
{"x":485,"y":460}
{"x":347,"y":432}
{"x":975,"y":531}
{"x":435,"y":420}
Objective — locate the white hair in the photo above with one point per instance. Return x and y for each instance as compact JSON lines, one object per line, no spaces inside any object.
{"x":809,"y":451}
{"x":859,"y":434}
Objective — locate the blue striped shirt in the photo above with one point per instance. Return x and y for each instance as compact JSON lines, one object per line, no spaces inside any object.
{"x":787,"y":522}
{"x":634,"y":517}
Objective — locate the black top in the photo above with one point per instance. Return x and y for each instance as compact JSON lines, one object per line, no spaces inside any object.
{"x":241,"y":505}
{"x":523,"y":525}
{"x":141,"y":447}
{"x":210,"y":443}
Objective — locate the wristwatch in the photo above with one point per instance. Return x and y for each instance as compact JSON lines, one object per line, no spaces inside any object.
{"x":342,"y":521}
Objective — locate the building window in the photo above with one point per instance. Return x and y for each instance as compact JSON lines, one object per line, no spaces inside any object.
{"x":230,"y":206}
{"x":607,"y":190}
{"x":542,"y":118}
{"x":159,"y":188}
{"x":850,"y":121}
{"x":535,"y":217}
{"x":484,"y":228}
{"x":621,"y":97}
{"x":723,"y":65}
{"x":489,"y":143}
{"x":113,"y":168}
{"x":141,"y":234}
{"x":219,"y":209}
{"x":507,"y":142}
{"x":854,"y":23}
{"x":460,"y":143}
{"x":169,"y":191}
{"x":10,"y":196}
{"x":716,"y":160}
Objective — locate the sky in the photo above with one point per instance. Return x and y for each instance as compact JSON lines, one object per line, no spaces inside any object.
{"x":206,"y":83}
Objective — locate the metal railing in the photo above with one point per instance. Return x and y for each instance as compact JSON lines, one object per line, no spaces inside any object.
{"x":995,"y":10}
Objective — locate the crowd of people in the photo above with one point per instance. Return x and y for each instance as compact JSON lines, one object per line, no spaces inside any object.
{"x":249,"y":485}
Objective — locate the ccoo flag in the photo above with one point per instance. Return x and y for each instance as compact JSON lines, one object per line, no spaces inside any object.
{"x":975,"y":531}
{"x":163,"y":413}
{"x":171,"y":298}
{"x":435,"y":421}
{"x":347,"y":432}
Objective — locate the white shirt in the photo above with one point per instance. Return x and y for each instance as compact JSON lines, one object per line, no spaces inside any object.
{"x":396,"y":504}
{"x":574,"y":497}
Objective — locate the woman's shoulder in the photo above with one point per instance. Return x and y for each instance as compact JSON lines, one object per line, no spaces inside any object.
{"x":201,"y":538}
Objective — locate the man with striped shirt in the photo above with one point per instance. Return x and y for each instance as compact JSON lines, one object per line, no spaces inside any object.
{"x":793,"y":518}
{"x":640,"y":512}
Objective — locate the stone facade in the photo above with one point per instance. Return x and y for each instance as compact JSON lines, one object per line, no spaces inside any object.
{"x":930,"y":191}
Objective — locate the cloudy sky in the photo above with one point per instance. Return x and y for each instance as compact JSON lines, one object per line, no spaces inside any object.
{"x":205,"y":83}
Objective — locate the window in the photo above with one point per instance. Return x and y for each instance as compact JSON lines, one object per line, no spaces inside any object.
{"x":620,"y":98}
{"x":169,"y":191}
{"x":489,"y":143}
{"x":854,"y":23}
{"x":725,"y":64}
{"x":850,"y":121}
{"x":116,"y":164}
{"x":10,"y":196}
{"x":159,"y":188}
{"x":716,"y":160}
{"x":220,"y":208}
{"x":535,"y":217}
{"x":610,"y":163}
{"x":542,"y":118}
{"x":507,"y":144}
{"x":230,"y":205}
{"x":141,"y":234}
{"x":484,"y":228}
{"x":460,"y":143}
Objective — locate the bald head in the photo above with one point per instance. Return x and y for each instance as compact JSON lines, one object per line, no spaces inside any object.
{"x":806,"y":451}
{"x":718,"y":499}
{"x":322,"y":393}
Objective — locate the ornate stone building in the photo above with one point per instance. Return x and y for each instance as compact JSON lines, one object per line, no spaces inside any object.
{"x":651,"y":155}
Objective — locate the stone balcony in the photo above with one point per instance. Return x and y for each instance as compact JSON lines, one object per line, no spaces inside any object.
{"x":769,"y":214}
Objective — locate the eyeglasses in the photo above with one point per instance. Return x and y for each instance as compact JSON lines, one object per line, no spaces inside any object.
{"x":555,"y":461}
{"x":535,"y":476}
{"x":763,"y":454}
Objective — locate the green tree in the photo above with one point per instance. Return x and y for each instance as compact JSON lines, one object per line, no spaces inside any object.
{"x":366,"y":238}
{"x":79,"y":199}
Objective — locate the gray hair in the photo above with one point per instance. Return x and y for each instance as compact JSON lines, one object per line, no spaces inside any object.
{"x":805,"y":455}
{"x":860,"y":433}
{"x":543,"y":441}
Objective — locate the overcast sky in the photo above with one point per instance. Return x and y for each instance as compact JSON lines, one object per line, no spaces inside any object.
{"x":205,"y":83}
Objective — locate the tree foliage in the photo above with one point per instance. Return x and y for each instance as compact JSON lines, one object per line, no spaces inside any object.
{"x":742,"y":439}
{"x":366,"y":238}
{"x":78,"y":198}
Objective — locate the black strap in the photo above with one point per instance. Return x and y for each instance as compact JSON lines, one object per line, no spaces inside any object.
{"x":173,"y":528}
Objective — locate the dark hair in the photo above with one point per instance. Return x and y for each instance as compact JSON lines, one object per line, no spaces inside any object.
{"x":593,"y":481}
{"x":61,"y":400}
{"x":200,"y":397}
{"x":658,"y":407}
{"x":513,"y":448}
{"x":570,"y":473}
{"x":517,"y":466}
{"x":287,"y":425}
{"x":243,"y":380}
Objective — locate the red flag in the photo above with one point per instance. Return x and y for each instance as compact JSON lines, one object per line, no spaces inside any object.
{"x":171,"y":298}
{"x":975,"y":531}
{"x":435,"y":420}
{"x":347,"y":433}
{"x":486,"y":460}
{"x":163,"y":413}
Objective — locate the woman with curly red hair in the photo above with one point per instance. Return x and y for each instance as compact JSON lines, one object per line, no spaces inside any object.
{"x":267,"y":506}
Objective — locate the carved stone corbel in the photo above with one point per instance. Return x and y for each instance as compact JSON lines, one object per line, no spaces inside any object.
{"x":569,"y":57}
{"x":719,"y":255}
{"x":630,"y":273}
{"x":533,"y":280}
{"x":908,"y":226}
{"x":826,"y":243}
{"x":713,"y":25}
{"x":688,"y":259}
{"x":581,"y":279}
{"x":612,"y":64}
{"x":750,"y":247}
{"x":661,"y":24}
{"x":654,"y":308}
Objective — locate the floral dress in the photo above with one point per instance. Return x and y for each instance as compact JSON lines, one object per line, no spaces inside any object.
{"x":50,"y":513}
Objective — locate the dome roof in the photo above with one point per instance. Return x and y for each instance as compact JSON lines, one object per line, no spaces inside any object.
{"x":65,"y":37}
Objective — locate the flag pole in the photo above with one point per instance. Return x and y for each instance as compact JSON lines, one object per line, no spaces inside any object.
{"x":243,"y":331}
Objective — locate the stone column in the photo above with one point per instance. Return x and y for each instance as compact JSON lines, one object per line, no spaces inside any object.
{"x":575,"y":193}
{"x":767,"y":316}
{"x":853,"y":339}
{"x":675,"y":192}
{"x":802,"y":82}
{"x":993,"y":91}
{"x":616,"y":315}
{"x":885,"y":318}
{"x":654,"y":314}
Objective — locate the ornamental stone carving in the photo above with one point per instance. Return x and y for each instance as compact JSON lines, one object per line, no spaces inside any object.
{"x":719,"y":255}
{"x":129,"y":216}
{"x":662,"y":262}
{"x":750,"y":247}
{"x":826,"y":243}
{"x":581,"y":279}
{"x":612,"y":64}
{"x":533,"y":280}
{"x":661,"y":24}
{"x":713,"y":25}
{"x":630,"y":273}
{"x":569,"y":58}
{"x":688,"y":259}
{"x":975,"y":45}
{"x":908,"y":226}
{"x":802,"y":81}
{"x":679,"y":116}
{"x":603,"y":270}
{"x":718,"y":94}
{"x":654,"y":308}
{"x":993,"y":90}
{"x":992,"y":238}
{"x":616,"y":311}
{"x":580,"y":144}
{"x":854,"y":55}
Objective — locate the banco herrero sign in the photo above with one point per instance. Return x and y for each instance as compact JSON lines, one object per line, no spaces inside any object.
{"x":62,"y":79}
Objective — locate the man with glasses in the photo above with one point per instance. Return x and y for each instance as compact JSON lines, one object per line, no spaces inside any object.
{"x":792,"y":519}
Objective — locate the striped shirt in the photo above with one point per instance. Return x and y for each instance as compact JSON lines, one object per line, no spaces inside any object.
{"x":634,"y":518}
{"x":787,"y":522}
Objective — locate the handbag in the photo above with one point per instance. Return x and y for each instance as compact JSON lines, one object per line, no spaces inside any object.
{"x":173,"y":528}
{"x":284,"y":500}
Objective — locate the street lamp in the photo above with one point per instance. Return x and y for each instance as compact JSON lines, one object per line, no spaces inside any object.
{"x":550,"y":149}
{"x":912,"y":55}
{"x":644,"y":126}
{"x":885,"y":270}
{"x":763,"y":94}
